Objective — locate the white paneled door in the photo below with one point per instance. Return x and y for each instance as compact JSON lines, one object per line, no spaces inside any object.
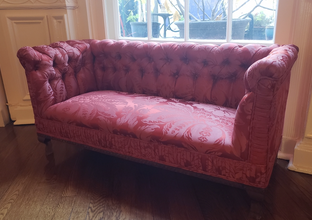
{"x":29,"y":23}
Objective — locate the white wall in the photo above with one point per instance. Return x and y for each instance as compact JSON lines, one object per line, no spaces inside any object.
{"x":294,"y":27}
{"x":302,"y":160}
{"x":301,"y":80}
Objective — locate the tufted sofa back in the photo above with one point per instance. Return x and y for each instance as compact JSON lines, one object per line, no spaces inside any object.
{"x":57,"y":72}
{"x":203,"y":73}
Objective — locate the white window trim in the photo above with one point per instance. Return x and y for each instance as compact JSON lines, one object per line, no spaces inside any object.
{"x":112,"y":27}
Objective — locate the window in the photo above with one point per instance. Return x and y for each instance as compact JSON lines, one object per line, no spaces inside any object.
{"x":196,"y":20}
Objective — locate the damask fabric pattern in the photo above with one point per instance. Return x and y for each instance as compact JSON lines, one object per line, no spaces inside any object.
{"x":199,"y":127}
{"x":216,"y":110}
{"x":57,"y":72}
{"x":260,"y":115}
{"x":167,"y":154}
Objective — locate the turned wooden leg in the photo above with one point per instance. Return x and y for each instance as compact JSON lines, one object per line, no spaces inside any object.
{"x":50,"y":168}
{"x":256,"y":202}
{"x":48,"y":145}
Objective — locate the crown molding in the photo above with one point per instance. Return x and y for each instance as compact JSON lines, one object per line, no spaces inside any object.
{"x":38,"y":4}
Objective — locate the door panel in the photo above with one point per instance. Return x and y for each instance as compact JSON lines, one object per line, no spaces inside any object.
{"x":20,"y":28}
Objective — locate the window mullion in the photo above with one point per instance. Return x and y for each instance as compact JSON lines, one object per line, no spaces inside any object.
{"x":186,"y":20}
{"x":149,"y":19}
{"x":125,"y":22}
{"x":229,"y":21}
{"x":116,"y":21}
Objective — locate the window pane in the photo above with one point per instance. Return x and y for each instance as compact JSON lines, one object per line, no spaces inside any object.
{"x":133,"y":18}
{"x":256,"y":17}
{"x":208,"y":19}
{"x":165,"y":14}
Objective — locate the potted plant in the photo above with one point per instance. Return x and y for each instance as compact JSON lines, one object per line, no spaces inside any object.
{"x":260,"y":24}
{"x":138,"y":21}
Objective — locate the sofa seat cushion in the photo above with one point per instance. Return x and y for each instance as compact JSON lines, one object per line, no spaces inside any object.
{"x":194,"y":126}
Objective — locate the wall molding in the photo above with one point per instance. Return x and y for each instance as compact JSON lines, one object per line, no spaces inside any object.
{"x":96,"y":18}
{"x":302,"y":162}
{"x":23,"y":114}
{"x":58,"y":27}
{"x":38,"y":4}
{"x":302,"y":159}
{"x":297,"y":14}
{"x":17,"y":24}
{"x":286,"y":151}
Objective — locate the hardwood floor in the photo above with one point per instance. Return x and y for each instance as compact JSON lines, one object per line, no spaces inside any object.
{"x":81,"y":184}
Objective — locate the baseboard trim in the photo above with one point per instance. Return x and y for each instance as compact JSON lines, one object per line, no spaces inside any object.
{"x":302,"y":160}
{"x":299,"y":169}
{"x":286,"y":151}
{"x":22,"y":115}
{"x":24,"y":122}
{"x":284,"y":156}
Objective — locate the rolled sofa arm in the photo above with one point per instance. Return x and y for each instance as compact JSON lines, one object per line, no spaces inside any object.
{"x":57,"y":72}
{"x":260,"y":114}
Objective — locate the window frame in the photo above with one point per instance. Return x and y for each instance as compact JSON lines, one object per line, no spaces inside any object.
{"x":112,"y":28}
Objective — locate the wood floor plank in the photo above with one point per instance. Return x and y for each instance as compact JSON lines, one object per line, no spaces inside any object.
{"x":71,"y":189}
{"x":132,"y":190}
{"x":211,"y":200}
{"x":55,"y":200}
{"x":142,"y":207}
{"x":6,"y":134}
{"x":16,"y":190}
{"x":104,"y":203}
{"x":85,"y":178}
{"x":286,"y":201}
{"x":160,"y":194}
{"x":16,"y":166}
{"x":82,"y":184}
{"x":183,"y":206}
{"x":34,"y":192}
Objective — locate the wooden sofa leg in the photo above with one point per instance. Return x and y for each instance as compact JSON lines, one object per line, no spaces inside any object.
{"x":48,"y":145}
{"x":257,"y":198}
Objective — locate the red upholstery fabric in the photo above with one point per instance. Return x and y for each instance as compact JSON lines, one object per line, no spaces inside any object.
{"x":228,"y":122}
{"x":203,"y":73}
{"x":57,"y":72}
{"x":260,"y":115}
{"x":194,"y":126}
{"x":168,"y":154}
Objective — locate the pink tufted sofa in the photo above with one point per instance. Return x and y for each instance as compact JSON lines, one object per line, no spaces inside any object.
{"x":207,"y":110}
